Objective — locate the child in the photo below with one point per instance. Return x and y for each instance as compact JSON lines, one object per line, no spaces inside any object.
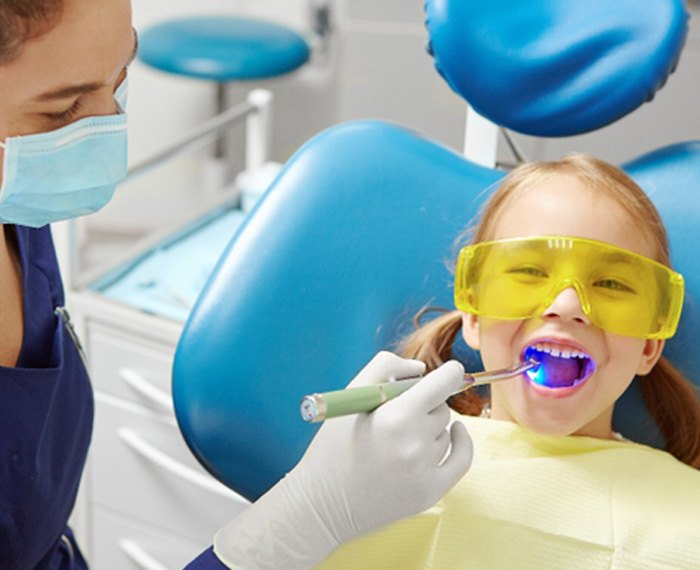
{"x":569,"y":266}
{"x":670,"y":398}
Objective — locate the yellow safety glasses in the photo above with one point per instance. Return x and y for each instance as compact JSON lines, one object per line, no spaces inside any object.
{"x":620,"y":291}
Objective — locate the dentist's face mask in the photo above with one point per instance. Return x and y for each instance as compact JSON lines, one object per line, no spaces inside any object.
{"x":66,"y":173}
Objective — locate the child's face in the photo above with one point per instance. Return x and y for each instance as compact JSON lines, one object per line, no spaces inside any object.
{"x":564,"y":206}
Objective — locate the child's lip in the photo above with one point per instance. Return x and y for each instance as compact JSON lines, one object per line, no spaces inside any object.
{"x":563,"y":392}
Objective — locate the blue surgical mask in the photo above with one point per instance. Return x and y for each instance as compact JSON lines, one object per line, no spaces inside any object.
{"x":122,"y":94}
{"x":66,"y":173}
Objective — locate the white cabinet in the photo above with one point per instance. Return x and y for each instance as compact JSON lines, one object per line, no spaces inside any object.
{"x":135,"y":371}
{"x":145,"y":502}
{"x":122,"y":542}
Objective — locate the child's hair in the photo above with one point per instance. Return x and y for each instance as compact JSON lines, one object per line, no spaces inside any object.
{"x":671,"y":399}
{"x":22,"y":20}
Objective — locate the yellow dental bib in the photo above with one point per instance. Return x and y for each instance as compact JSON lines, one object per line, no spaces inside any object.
{"x":539,"y":502}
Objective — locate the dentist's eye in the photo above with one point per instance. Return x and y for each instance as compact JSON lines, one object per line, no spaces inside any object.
{"x":66,"y":115}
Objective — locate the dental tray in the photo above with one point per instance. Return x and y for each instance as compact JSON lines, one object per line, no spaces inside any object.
{"x":166,"y":278}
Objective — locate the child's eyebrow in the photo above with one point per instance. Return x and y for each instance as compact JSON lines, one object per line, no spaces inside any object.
{"x":79,"y":89}
{"x":620,"y":259}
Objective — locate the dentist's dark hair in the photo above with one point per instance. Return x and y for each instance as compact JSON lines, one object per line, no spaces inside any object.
{"x":23,"y":20}
{"x":671,"y":399}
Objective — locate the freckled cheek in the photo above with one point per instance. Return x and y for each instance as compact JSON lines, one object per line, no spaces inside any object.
{"x":499,"y":340}
{"x":507,"y":392}
{"x":625,"y":354}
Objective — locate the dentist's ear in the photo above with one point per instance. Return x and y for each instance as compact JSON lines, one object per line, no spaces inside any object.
{"x":650,"y":356}
{"x":470,"y":330}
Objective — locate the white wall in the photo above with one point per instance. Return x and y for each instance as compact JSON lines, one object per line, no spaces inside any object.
{"x":671,"y":117}
{"x":376,"y":67}
{"x":163,"y":107}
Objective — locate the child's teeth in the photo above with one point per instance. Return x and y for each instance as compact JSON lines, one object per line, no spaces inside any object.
{"x":558,"y":352}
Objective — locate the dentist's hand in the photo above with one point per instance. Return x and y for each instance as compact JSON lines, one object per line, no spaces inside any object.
{"x":360,"y":473}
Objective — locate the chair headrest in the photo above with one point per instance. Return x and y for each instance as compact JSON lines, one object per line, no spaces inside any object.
{"x":556,"y":67}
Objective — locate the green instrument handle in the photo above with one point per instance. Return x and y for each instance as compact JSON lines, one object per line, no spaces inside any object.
{"x":319,"y":407}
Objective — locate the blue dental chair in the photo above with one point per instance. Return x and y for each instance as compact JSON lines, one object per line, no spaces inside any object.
{"x":357,"y":232}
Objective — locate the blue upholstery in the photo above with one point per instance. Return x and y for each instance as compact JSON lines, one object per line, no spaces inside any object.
{"x":354,"y":237}
{"x":348,"y":244}
{"x":222,"y":48}
{"x":562,"y":68}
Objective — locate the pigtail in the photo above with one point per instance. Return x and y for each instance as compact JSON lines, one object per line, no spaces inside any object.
{"x":674,"y":405}
{"x":432,"y":343}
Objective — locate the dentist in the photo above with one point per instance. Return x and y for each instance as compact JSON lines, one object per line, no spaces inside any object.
{"x":63,"y":68}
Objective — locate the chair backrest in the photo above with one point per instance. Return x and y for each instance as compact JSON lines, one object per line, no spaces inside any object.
{"x":357,"y":234}
{"x":347,"y":245}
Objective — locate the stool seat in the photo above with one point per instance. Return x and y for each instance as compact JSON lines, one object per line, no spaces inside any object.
{"x":223,"y":48}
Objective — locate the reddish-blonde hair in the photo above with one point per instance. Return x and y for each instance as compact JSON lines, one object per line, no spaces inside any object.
{"x":671,"y":399}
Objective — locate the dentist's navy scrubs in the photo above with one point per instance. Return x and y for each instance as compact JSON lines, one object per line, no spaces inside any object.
{"x":46,"y":400}
{"x":46,"y":413}
{"x":46,"y":416}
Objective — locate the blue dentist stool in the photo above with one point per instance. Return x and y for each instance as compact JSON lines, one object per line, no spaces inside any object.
{"x":223,"y":49}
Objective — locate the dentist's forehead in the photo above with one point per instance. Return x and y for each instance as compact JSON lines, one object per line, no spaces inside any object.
{"x":71,"y":90}
{"x":91,"y":42}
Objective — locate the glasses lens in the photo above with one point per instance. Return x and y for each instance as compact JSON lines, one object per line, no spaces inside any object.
{"x":620,"y":291}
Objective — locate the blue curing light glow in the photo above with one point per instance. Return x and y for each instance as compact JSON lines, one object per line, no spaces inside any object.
{"x":538,"y":374}
{"x":558,"y":372}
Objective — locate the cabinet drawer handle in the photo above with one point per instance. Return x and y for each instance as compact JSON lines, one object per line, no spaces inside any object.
{"x":155,"y":395}
{"x":139,"y":556}
{"x":163,"y":460}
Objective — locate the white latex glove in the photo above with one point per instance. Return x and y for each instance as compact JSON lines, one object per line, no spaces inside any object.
{"x":359,"y":473}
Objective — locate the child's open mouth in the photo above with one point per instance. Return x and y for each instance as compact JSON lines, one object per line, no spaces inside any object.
{"x":561,"y":366}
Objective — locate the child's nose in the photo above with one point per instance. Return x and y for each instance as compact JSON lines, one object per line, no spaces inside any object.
{"x":567,"y":306}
